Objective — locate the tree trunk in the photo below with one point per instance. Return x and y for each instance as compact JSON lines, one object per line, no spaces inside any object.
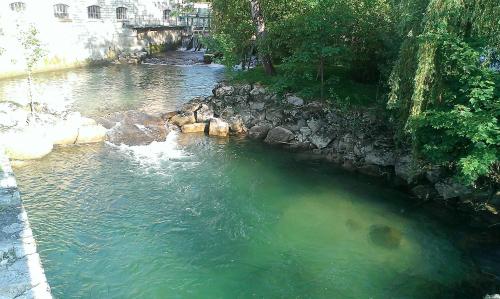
{"x":322,"y":76}
{"x":260,"y":33}
{"x":30,"y":92}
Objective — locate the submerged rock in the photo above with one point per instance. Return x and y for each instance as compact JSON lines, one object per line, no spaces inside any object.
{"x":352,"y":224}
{"x":134,"y":128}
{"x":279,"y":135}
{"x":385,"y":236}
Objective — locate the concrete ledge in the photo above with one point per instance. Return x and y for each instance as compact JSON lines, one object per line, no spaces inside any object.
{"x":21,"y":271}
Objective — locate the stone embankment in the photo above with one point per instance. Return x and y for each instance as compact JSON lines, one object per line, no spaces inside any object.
{"x":21,"y":272}
{"x":357,"y":140}
{"x":26,"y":136}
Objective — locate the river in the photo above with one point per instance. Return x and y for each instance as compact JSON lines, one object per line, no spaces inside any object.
{"x":200,"y":217}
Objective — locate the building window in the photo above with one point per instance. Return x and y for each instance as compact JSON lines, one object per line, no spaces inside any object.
{"x":61,"y":11}
{"x":18,"y":6}
{"x":121,"y":13}
{"x":166,"y":14}
{"x":94,"y":12}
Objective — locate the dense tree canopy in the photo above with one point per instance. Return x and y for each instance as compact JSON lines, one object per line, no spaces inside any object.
{"x":435,"y":60}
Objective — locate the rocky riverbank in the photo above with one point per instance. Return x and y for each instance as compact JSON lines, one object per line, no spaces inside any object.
{"x":358,"y":140}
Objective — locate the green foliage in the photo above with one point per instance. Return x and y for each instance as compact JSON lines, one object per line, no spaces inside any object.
{"x":461,"y":127}
{"x":31,"y":45}
{"x":430,"y":58}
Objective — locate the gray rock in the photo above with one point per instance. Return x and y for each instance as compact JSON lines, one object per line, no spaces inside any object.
{"x":494,"y":296}
{"x":345,"y":144}
{"x":258,"y":132}
{"x":320,"y":140}
{"x":380,"y":157}
{"x":258,"y":93}
{"x":236,"y":125}
{"x":404,"y":169}
{"x":257,"y":105}
{"x":279,"y":135}
{"x":304,"y":133}
{"x":294,"y":101}
{"x":314,"y":124}
{"x":449,"y":189}
{"x":243,"y":89}
{"x":275,"y":116}
{"x":434,"y":174}
{"x":223,"y":90}
{"x":204,"y":113}
{"x":424,"y":192}
{"x":190,"y":107}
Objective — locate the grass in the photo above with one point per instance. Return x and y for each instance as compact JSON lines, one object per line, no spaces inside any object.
{"x":339,"y":87}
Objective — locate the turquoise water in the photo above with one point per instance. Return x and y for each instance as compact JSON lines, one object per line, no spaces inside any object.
{"x":199,"y":217}
{"x":207,"y":218}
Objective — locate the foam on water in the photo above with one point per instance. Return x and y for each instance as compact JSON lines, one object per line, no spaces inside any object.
{"x":155,"y":155}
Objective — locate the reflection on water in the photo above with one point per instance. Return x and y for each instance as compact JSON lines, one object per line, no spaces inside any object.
{"x":227,"y":219}
{"x":99,"y":90}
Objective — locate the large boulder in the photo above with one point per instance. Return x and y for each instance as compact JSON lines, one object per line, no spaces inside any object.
{"x":258,"y":131}
{"x":183,"y":119}
{"x":218,"y":127}
{"x":405,"y":169}
{"x":194,"y":128}
{"x":380,"y":157}
{"x":191,"y":106}
{"x":236,"y":125}
{"x":449,"y":189}
{"x":223,"y":90}
{"x":91,"y":134}
{"x":258,"y":94}
{"x":27,"y":144}
{"x":294,"y":100}
{"x":64,"y":132}
{"x":204,"y":114}
{"x":279,"y":135}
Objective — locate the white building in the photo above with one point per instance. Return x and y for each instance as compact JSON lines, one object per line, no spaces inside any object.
{"x":76,"y":31}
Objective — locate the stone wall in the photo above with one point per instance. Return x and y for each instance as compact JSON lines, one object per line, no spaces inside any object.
{"x":21,"y":271}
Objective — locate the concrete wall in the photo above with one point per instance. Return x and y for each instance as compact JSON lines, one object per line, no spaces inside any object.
{"x":78,"y":40}
{"x":21,"y":271}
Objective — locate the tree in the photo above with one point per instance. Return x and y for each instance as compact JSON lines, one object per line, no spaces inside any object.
{"x":261,"y":34}
{"x":32,"y":53}
{"x":444,"y":93}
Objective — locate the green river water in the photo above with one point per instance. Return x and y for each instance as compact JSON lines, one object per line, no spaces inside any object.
{"x":200,"y":217}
